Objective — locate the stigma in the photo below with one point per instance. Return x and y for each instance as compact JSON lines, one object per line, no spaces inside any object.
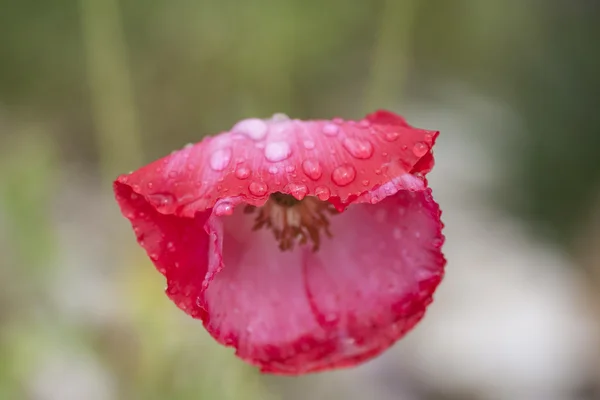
{"x":294,"y":221}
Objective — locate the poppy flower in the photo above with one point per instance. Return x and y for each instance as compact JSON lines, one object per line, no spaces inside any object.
{"x":305,"y":245}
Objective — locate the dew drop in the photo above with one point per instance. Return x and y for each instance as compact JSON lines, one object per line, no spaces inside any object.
{"x":312,"y":168}
{"x":254,"y":128}
{"x":258,"y":189}
{"x":358,"y":148}
{"x":365,"y":182}
{"x":220,"y":159}
{"x":397,"y":233}
{"x":323,"y":193}
{"x":391,"y":136}
{"x":150,"y":185}
{"x":273,"y":170}
{"x":309,"y":144}
{"x":277,"y":151}
{"x":330,"y":129}
{"x":299,"y":191}
{"x":343,"y":175}
{"x":242,"y":172}
{"x":161,"y":200}
{"x":420,"y":149}
{"x":224,"y":208}
{"x":171,"y":246}
{"x":290,"y":168}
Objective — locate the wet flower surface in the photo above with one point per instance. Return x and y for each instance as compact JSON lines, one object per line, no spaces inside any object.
{"x":305,"y":245}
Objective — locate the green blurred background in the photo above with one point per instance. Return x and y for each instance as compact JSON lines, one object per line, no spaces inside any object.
{"x":93,"y":88}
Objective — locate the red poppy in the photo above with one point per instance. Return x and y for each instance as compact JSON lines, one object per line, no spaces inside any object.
{"x":305,"y":245}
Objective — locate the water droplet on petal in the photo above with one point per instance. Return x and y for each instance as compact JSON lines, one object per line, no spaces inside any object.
{"x":343,"y":175}
{"x":365,"y":182}
{"x":150,"y":185}
{"x":359,"y":148}
{"x":397,"y":234}
{"x":312,"y":168}
{"x":299,"y":191}
{"x":309,"y":144}
{"x":330,"y":129}
{"x":391,"y":136}
{"x":254,"y":128}
{"x":171,"y":246}
{"x":290,"y":168}
{"x":258,"y":189}
{"x":219,"y":160}
{"x":161,"y":200}
{"x":242,"y":172}
{"x":224,"y":208}
{"x":273,"y":170}
{"x":420,"y":149}
{"x":322,"y":193}
{"x":277,"y":151}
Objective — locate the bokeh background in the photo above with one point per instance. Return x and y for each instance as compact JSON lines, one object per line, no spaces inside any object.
{"x":93,"y":88}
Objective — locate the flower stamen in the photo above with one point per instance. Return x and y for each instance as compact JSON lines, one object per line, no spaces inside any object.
{"x":293,"y":220}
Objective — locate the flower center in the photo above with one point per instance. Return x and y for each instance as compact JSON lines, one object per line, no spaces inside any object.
{"x":293,"y":220}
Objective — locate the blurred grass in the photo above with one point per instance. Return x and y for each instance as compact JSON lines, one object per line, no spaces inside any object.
{"x":111,"y":89}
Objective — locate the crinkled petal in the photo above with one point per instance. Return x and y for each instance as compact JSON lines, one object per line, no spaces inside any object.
{"x":298,"y":312}
{"x":337,"y":159}
{"x":177,"y":246}
{"x":295,"y":312}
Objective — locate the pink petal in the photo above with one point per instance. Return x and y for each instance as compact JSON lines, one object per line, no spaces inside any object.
{"x":295,"y":312}
{"x":177,"y":246}
{"x":298,"y":312}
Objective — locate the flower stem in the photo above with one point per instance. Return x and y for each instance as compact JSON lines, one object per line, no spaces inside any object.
{"x":111,"y":89}
{"x":391,"y":54}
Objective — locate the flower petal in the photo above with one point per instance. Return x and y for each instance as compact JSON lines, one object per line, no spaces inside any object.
{"x":177,"y":246}
{"x":340,"y":159}
{"x":298,"y":312}
{"x":295,"y":312}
